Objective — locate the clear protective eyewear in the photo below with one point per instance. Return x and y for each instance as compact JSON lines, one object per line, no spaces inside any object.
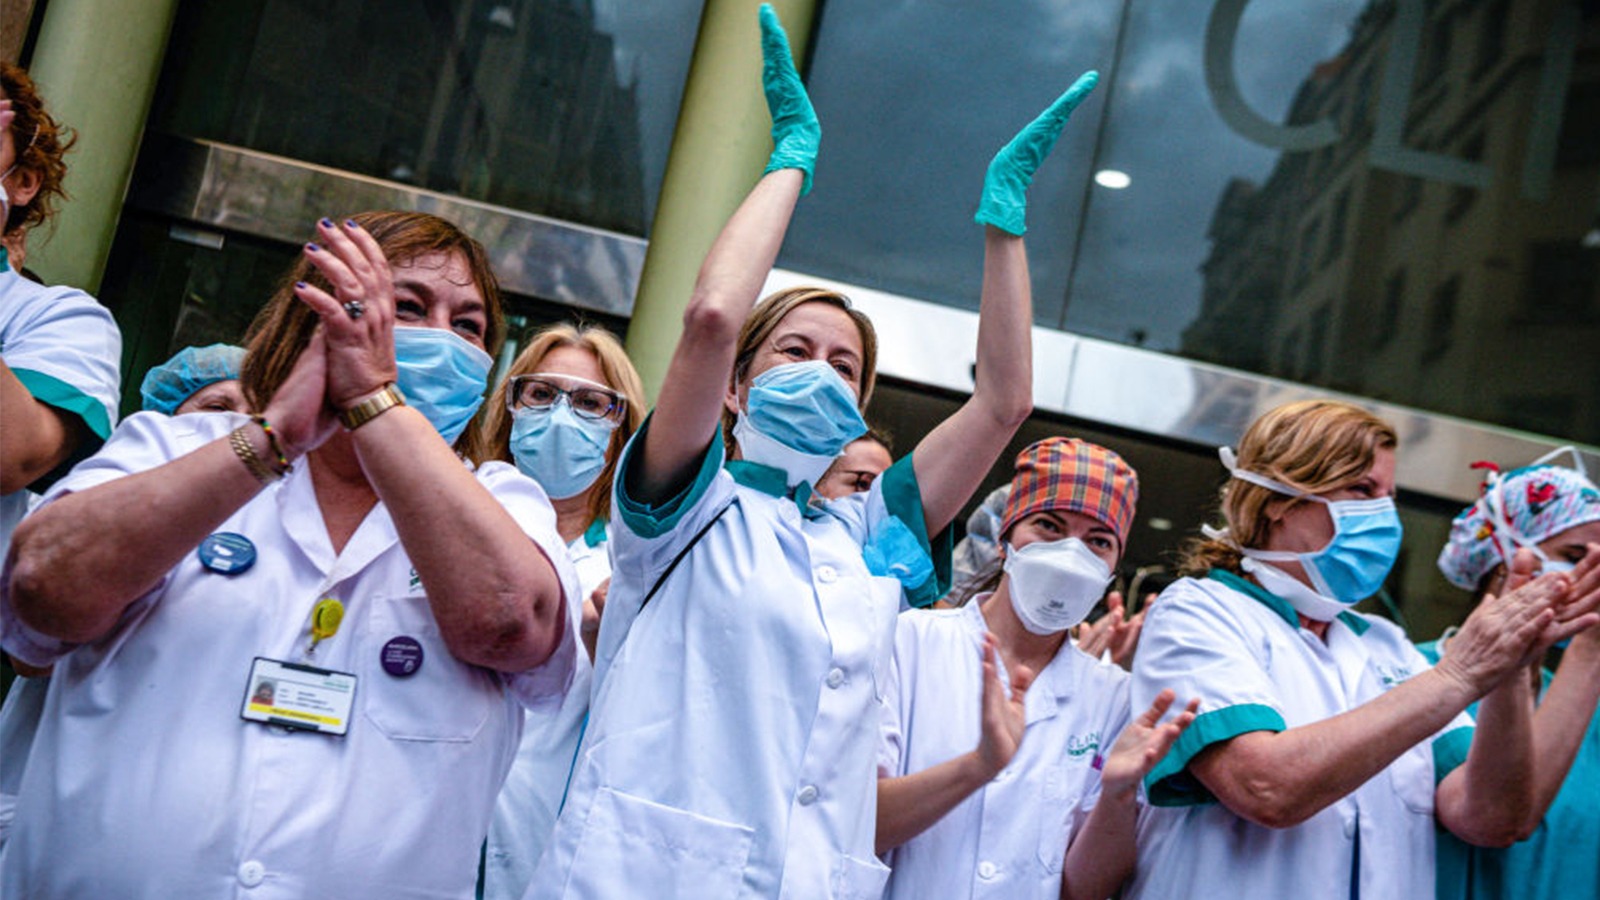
{"x":587,"y":399}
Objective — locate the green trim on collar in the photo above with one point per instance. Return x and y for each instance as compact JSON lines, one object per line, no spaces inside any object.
{"x":1277,"y":604}
{"x":1450,"y":750}
{"x":769,"y":480}
{"x":902,"y":496}
{"x":595,"y":534}
{"x":650,"y":521}
{"x":1170,"y":784}
{"x":1355,"y":622}
{"x":1258,"y":593}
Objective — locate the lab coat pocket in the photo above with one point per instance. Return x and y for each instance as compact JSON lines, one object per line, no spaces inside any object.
{"x":634,"y":847}
{"x":1412,"y":778}
{"x":434,"y":698}
{"x":1058,"y":807}
{"x":857,"y":879}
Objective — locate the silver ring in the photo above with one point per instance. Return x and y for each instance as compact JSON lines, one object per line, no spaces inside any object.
{"x":354,"y":309}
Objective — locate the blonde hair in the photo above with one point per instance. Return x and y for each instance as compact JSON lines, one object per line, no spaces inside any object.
{"x":1313,"y":445}
{"x":283,"y":327}
{"x":770,"y":313}
{"x":620,"y":376}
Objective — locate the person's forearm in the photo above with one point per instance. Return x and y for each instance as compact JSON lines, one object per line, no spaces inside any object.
{"x":1488,"y":800}
{"x":729,"y":283}
{"x":34,"y":437}
{"x":911,"y":804}
{"x":1281,"y":779}
{"x":1561,"y":722}
{"x":80,"y":560}
{"x":953,"y":459}
{"x":495,"y":596}
{"x":1103,"y":853}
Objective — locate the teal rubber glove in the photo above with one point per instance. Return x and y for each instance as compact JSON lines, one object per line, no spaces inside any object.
{"x":795,"y":129}
{"x":1005,"y":187}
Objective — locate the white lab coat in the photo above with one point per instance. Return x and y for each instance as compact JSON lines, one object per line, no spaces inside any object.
{"x":66,"y":350}
{"x":146,"y":783}
{"x":525,"y":813}
{"x":1242,"y":652}
{"x":731,"y":745}
{"x":1007,"y":841}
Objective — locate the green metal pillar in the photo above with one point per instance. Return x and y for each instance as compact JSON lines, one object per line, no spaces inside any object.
{"x":721,"y":144}
{"x":96,"y":64}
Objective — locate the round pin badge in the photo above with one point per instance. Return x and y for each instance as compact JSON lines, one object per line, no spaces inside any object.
{"x":402,"y":656}
{"x":227,"y":553}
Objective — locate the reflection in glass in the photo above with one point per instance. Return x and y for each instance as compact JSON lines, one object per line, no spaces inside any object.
{"x":1431,"y":248}
{"x":560,"y":107}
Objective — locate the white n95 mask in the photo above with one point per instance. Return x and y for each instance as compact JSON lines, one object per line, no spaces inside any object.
{"x":1054,"y":584}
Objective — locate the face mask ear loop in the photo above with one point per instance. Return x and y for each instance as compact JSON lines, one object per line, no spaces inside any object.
{"x":1577,"y":459}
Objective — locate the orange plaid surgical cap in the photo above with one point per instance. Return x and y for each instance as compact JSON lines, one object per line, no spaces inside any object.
{"x":1067,"y":473}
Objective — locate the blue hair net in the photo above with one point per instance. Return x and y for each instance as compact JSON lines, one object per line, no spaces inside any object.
{"x":166,"y":386}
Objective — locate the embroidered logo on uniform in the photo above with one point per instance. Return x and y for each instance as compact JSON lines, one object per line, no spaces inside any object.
{"x":416,"y":580}
{"x":1391,"y":675}
{"x":1084,"y":744}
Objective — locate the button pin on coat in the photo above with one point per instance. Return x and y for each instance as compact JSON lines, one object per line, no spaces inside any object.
{"x":227,"y":553}
{"x":401,"y":656}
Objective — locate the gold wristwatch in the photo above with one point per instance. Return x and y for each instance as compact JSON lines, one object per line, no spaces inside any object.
{"x":372,"y":407}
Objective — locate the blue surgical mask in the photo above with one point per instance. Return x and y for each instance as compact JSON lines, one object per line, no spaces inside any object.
{"x":560,"y":450}
{"x":798,"y":417}
{"x":442,"y":376}
{"x":1352,"y":566}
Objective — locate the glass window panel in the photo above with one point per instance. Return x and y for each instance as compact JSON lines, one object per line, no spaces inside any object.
{"x":559,"y":107}
{"x":1404,"y":246}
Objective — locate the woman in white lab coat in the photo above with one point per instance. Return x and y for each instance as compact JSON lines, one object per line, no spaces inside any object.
{"x":1327,"y":750}
{"x":565,"y":410}
{"x":731,"y":745}
{"x":402,"y":606}
{"x":1004,"y":745}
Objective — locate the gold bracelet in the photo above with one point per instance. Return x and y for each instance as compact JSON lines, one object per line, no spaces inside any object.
{"x":387,"y":398}
{"x":242,"y":448}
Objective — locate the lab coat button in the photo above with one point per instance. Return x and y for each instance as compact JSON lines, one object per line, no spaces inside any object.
{"x":835,"y":677}
{"x":807,"y":795}
{"x":826,"y":574}
{"x":251,"y":873}
{"x":1350,"y":828}
{"x":987,"y":870}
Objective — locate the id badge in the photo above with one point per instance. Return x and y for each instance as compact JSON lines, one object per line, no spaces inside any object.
{"x":299,"y":696}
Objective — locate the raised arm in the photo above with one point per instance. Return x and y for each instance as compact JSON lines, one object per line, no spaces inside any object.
{"x":953,"y":459}
{"x":730,"y":280}
{"x":35,"y":437}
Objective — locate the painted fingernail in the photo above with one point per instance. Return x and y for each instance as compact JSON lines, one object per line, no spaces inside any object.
{"x":352,"y":225}
{"x":327,"y":223}
{"x":313,"y":248}
{"x":301,"y":285}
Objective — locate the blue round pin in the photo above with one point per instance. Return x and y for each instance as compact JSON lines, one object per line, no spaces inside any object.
{"x":227,"y":553}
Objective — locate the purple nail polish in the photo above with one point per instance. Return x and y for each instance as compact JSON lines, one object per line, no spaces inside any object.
{"x":327,"y":223}
{"x":352,"y":225}
{"x":313,"y":248}
{"x":301,"y":284}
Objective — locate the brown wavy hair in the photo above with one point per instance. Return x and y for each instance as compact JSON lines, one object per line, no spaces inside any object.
{"x":1313,"y":445}
{"x":283,"y":327}
{"x":41,"y":142}
{"x":764,"y":320}
{"x":620,"y":376}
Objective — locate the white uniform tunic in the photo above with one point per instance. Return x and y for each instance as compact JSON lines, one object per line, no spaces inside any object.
{"x":732,"y":741}
{"x":1241,"y":650}
{"x":525,"y":814}
{"x":147,"y":782}
{"x":1007,"y":841}
{"x":66,"y":350}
